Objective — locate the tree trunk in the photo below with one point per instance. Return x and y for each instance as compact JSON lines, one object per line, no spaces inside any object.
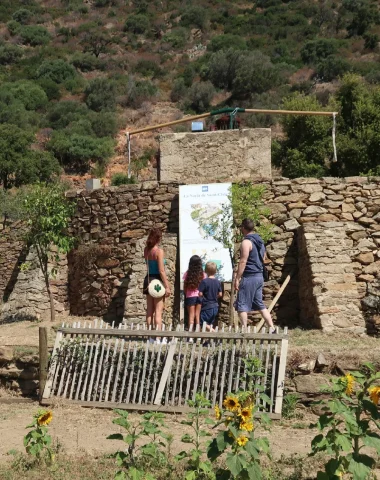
{"x":43,"y":259}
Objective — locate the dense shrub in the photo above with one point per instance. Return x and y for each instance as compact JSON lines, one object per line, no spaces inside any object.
{"x":332,"y":67}
{"x":9,"y":53}
{"x":19,"y":164}
{"x":61,"y":114}
{"x":177,"y":38}
{"x":179,"y":90}
{"x":194,"y":16}
{"x":100,"y":94}
{"x":371,"y":40}
{"x":96,"y":42}
{"x":104,"y":124}
{"x":58,"y":71}
{"x":316,"y":50}
{"x":137,"y":24}
{"x":86,"y":62}
{"x":34,"y":35}
{"x":22,"y":16}
{"x":148,"y":68}
{"x":199,"y":96}
{"x":242,"y":73}
{"x":51,"y":89}
{"x":75,"y":152}
{"x":138,"y":92}
{"x":224,"y":42}
{"x":31,"y":95}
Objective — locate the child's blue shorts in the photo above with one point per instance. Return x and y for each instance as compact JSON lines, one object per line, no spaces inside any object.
{"x":209,"y":315}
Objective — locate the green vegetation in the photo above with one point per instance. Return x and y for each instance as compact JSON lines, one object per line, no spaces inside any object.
{"x":110,"y":55}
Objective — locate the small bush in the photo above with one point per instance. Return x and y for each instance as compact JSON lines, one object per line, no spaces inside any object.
{"x":100,"y":95}
{"x":199,"y":96}
{"x":14,"y":27}
{"x":224,"y":42}
{"x":178,"y":91}
{"x":9,"y":54}
{"x":58,"y":71}
{"x":138,"y":92}
{"x":148,"y":68}
{"x":137,"y":24}
{"x":371,"y":40}
{"x":122,"y":179}
{"x":177,"y":38}
{"x":22,"y":16}
{"x":87,"y":62}
{"x":332,"y":67}
{"x":51,"y":89}
{"x":316,"y":50}
{"x":104,"y":124}
{"x":34,"y":35}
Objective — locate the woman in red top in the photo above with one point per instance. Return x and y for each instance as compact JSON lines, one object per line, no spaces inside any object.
{"x":154,"y":258}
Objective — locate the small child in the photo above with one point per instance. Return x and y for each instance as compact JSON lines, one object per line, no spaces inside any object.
{"x":192,"y":278}
{"x":210,"y":290}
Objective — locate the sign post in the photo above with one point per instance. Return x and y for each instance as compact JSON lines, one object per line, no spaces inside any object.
{"x":197,"y":204}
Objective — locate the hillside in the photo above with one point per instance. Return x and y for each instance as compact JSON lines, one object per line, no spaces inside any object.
{"x":75,"y":75}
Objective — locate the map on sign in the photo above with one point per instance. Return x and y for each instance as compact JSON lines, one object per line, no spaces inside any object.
{"x":199,"y":205}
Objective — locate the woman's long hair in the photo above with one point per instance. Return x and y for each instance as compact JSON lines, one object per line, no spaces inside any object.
{"x":194,"y":273}
{"x":154,"y":238}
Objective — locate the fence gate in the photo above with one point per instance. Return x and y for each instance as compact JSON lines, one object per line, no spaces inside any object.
{"x":127,"y":368}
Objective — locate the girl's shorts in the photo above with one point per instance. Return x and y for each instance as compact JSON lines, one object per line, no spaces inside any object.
{"x":192,"y":301}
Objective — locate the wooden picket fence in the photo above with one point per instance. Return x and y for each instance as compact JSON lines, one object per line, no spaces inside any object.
{"x":125,"y":367}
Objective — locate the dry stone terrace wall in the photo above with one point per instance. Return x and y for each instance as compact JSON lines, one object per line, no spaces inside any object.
{"x":112,"y":224}
{"x":11,"y":254}
{"x":116,"y":220}
{"x":356,"y":200}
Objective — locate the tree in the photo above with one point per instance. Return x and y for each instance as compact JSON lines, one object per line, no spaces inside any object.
{"x":47,"y":213}
{"x":34,"y":35}
{"x":224,"y":42}
{"x":194,"y":16}
{"x":10,"y":53}
{"x":245,"y":201}
{"x":96,"y":42}
{"x":31,"y":95}
{"x":19,"y":165}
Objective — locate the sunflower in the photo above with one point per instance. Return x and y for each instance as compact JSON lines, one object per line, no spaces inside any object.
{"x":242,"y":440}
{"x":45,"y":418}
{"x":218,"y":414}
{"x":374,"y":394}
{"x":245,"y":413}
{"x":349,"y":381}
{"x":231,"y":403}
{"x":247,"y":426}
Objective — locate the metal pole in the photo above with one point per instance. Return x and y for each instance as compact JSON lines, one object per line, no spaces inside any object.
{"x":129,"y":154}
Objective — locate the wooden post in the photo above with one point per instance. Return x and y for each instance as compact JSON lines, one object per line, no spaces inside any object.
{"x":274,"y":301}
{"x":43,"y":354}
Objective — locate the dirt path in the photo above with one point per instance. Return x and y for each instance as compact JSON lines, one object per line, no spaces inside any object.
{"x":84,"y":429}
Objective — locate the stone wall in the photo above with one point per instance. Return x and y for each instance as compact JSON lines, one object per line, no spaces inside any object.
{"x":29,"y":299}
{"x":329,"y":296}
{"x":226,"y":155}
{"x":11,"y":255}
{"x":111,"y":225}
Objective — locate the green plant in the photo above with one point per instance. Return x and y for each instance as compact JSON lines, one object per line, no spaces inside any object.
{"x":121,"y":179}
{"x":147,"y":445}
{"x":137,"y":24}
{"x":352,"y":420}
{"x":100,"y":95}
{"x":196,"y":467}
{"x":238,"y":440}
{"x":289,"y":405}
{"x":47,"y":212}
{"x":58,"y":71}
{"x":19,"y":165}
{"x":199,"y":96}
{"x":37,"y":441}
